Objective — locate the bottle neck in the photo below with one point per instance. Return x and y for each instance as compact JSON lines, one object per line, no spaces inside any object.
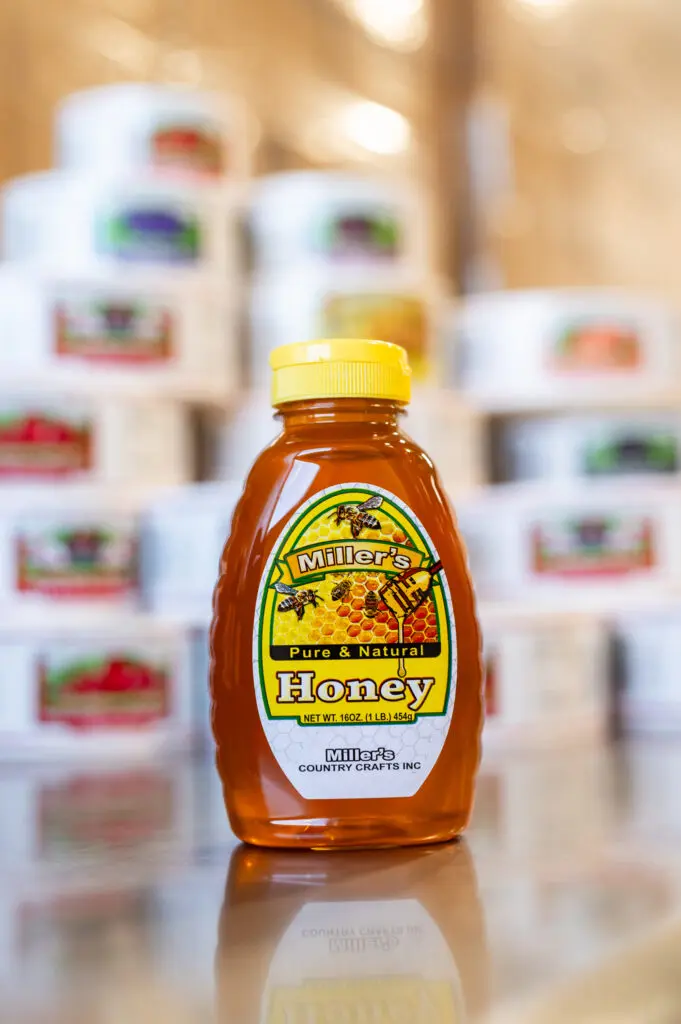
{"x":356,"y":415}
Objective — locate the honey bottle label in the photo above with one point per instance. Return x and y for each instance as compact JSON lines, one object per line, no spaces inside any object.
{"x":354,"y":648}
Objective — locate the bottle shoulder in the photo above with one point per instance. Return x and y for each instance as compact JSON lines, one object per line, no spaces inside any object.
{"x":332,"y":455}
{"x":289,"y":473}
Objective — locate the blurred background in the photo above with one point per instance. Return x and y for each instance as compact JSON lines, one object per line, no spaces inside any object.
{"x":494,"y":184}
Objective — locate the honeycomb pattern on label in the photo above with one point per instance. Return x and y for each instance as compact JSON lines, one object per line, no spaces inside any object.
{"x":346,"y":621}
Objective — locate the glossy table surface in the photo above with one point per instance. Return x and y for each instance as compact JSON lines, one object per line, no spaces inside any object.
{"x":125,"y":898}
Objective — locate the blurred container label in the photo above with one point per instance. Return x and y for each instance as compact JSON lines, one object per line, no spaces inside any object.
{"x":636,"y":451}
{"x":103,"y":690}
{"x":361,"y":234}
{"x":76,"y":561}
{"x":152,"y":233}
{"x":401,"y":319}
{"x":193,"y":148}
{"x":608,"y":545}
{"x":41,"y":443}
{"x":101,"y":811}
{"x":589,"y":347}
{"x":113,"y":331}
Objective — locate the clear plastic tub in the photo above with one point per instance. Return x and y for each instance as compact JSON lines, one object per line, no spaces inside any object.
{"x":84,"y":222}
{"x":521,"y":348}
{"x":118,"y":334}
{"x":649,"y":696}
{"x":602,"y":546}
{"x":140,"y":127}
{"x":183,"y":535}
{"x":452,"y":433}
{"x":337,"y":220}
{"x":77,"y":438}
{"x":69,"y":552}
{"x":119,"y":689}
{"x":327,"y":302}
{"x":593,"y":447}
{"x":547,"y":679}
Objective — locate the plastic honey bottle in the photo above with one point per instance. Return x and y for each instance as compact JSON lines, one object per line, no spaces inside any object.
{"x":345,"y":654}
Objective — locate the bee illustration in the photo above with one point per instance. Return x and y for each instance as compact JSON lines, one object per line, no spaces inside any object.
{"x":371,"y":603}
{"x":297,"y":600}
{"x":358,"y":516}
{"x":341,"y":590}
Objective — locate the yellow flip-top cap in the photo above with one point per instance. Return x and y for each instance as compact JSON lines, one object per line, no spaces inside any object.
{"x":340,"y":368}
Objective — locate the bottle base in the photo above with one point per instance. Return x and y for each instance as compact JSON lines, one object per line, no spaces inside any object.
{"x":347,"y":833}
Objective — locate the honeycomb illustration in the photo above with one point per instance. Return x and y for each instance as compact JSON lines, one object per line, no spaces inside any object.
{"x":345,"y":621}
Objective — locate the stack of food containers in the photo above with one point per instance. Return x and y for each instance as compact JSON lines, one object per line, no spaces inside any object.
{"x":347,"y":256}
{"x":336,"y":255}
{"x":117,"y":310}
{"x":332,"y":255}
{"x":585,"y":525}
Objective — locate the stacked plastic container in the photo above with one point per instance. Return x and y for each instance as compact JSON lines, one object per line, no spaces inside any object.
{"x":332,"y":255}
{"x":583,"y":532}
{"x":118,"y":297}
{"x":344,"y":255}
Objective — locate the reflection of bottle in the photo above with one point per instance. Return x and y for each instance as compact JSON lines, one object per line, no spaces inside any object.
{"x":376,"y":936}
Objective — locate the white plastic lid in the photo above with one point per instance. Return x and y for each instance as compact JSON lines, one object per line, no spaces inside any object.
{"x":71,"y":625}
{"x":347,"y":279}
{"x":562,"y":299}
{"x":74,"y":499}
{"x":282,"y":203}
{"x":287,"y":186}
{"x":49,"y":186}
{"x":121,"y":125}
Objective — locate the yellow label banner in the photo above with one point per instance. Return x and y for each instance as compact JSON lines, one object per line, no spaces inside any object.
{"x":315,"y":560}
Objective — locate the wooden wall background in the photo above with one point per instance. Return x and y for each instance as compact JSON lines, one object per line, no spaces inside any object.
{"x":581,"y":99}
{"x":296,"y":62}
{"x":574,"y":131}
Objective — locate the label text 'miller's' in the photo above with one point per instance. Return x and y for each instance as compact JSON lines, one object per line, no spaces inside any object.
{"x":347,"y":554}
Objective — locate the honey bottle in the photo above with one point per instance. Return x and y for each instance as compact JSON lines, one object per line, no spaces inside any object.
{"x":389,"y":936}
{"x":345,"y":652}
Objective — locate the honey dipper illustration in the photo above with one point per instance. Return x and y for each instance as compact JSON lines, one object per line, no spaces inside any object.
{"x":403,"y":595}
